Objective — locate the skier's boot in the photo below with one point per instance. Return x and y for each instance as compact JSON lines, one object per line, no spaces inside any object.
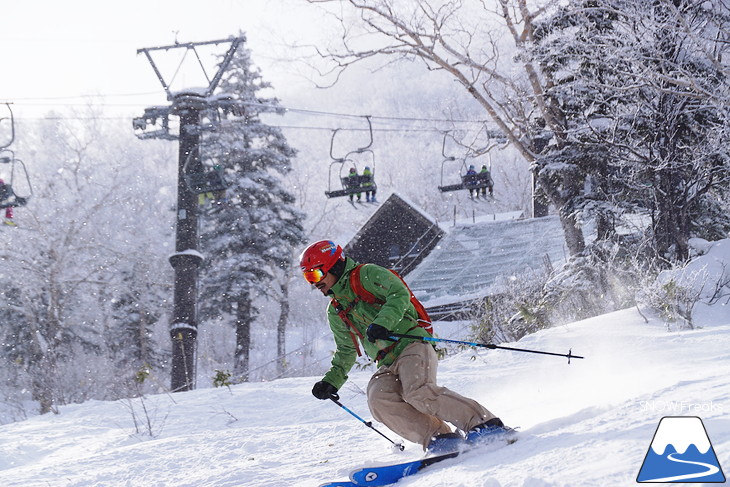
{"x":487,"y":432}
{"x":445,"y":443}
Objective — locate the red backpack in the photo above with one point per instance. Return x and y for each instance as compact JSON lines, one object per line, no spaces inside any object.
{"x":424,"y":321}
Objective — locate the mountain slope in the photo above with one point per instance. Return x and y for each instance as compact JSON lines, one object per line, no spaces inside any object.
{"x":587,"y":423}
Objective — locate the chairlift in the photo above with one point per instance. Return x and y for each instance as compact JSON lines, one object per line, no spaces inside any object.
{"x":204,"y":180}
{"x":352,"y":184}
{"x":8,"y":196}
{"x":475,"y":181}
{"x":12,"y":127}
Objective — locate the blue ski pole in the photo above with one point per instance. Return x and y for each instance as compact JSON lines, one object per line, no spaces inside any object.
{"x":491,"y":346}
{"x":335,"y":399}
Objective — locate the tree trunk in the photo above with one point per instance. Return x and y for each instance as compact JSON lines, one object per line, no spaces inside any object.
{"x":281,"y":329}
{"x":605,"y":226}
{"x":562,"y":188}
{"x":42,"y":382}
{"x":42,"y":363}
{"x":241,"y":359}
{"x":573,"y":234}
{"x":671,"y":220}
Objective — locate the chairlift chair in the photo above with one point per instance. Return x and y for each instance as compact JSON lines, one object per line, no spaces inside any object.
{"x":8,"y":196}
{"x":468,"y":181}
{"x":209,"y":181}
{"x":204,"y":180}
{"x":351,"y":185}
{"x":476,"y":181}
{"x":12,"y":128}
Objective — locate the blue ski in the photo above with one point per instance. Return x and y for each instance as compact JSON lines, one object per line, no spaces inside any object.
{"x":390,"y":474}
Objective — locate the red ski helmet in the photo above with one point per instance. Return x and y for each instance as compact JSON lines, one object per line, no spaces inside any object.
{"x":317,"y":260}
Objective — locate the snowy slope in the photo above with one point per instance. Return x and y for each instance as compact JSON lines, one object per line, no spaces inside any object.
{"x":584,"y":424}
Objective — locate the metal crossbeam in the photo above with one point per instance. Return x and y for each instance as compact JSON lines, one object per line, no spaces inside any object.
{"x":213,"y":83}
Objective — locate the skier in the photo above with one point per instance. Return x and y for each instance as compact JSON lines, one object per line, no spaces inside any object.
{"x":4,"y":195}
{"x":402,"y":394}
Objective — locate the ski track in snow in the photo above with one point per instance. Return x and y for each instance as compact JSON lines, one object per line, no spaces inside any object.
{"x":589,"y":423}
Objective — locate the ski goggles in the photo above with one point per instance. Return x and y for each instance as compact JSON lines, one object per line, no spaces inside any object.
{"x":313,"y":276}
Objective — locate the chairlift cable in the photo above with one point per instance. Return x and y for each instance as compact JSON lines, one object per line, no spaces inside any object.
{"x":25,"y":101}
{"x":380,"y":118}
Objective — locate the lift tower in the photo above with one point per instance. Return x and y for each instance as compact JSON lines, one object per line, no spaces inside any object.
{"x":191,"y":106}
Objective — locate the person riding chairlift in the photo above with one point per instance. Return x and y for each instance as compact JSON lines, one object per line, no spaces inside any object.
{"x":471,"y":181}
{"x":368,"y":182}
{"x":4,"y":195}
{"x":485,"y":175}
{"x":353,"y":181}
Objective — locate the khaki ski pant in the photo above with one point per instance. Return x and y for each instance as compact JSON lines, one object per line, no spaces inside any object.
{"x":404,"y":397}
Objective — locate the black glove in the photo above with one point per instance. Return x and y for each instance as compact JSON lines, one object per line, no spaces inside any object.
{"x":377,"y":332}
{"x":324,"y":390}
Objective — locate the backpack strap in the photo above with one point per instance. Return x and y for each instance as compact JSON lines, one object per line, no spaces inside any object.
{"x":424,"y":321}
{"x":359,"y":289}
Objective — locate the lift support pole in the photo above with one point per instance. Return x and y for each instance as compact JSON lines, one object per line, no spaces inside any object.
{"x":186,"y":260}
{"x":189,"y":106}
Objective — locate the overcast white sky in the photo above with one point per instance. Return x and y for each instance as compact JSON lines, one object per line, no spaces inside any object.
{"x":53,"y":53}
{"x":51,"y":50}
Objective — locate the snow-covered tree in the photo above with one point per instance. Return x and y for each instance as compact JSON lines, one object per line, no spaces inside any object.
{"x":135,"y":304}
{"x":57,"y":260}
{"x":479,"y":44}
{"x":93,"y":213}
{"x":645,"y":124}
{"x":247,"y":236}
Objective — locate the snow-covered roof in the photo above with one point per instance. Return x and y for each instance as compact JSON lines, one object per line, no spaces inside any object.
{"x":490,"y":217}
{"x":417,"y":209}
{"x":470,"y":261}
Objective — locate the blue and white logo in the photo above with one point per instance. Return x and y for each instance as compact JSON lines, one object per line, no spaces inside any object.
{"x":681,"y":452}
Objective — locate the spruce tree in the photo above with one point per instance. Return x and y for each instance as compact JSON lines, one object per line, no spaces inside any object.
{"x":636,"y":82}
{"x":248,"y":235}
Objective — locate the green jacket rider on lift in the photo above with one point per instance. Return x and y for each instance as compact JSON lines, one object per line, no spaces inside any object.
{"x":367,"y":178}
{"x":484,"y":174}
{"x":353,"y":181}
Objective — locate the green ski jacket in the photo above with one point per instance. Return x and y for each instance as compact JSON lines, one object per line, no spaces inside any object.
{"x":397,"y":314}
